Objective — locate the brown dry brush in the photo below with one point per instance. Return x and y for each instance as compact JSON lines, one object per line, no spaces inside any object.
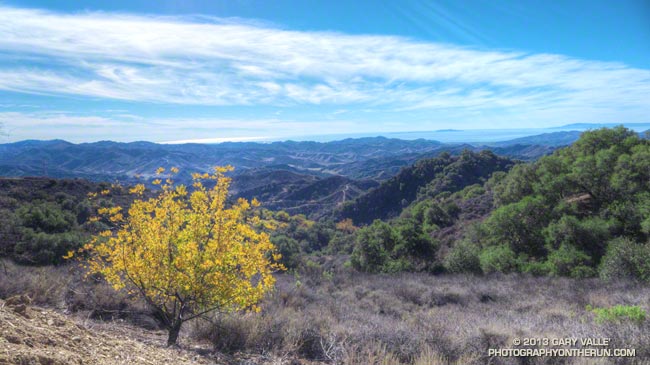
{"x":352,"y":318}
{"x":355,"y":318}
{"x":68,"y":289}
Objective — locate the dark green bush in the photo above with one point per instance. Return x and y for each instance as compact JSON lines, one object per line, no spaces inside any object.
{"x":590,"y":234}
{"x":626,"y":259}
{"x":499,"y":258}
{"x":397,"y":265}
{"x":536,"y":268}
{"x":41,"y":233}
{"x":568,"y":261}
{"x":518,"y":225}
{"x":40,"y":248}
{"x":583,"y":272}
{"x":413,"y":240}
{"x":472,"y":191}
{"x":341,"y":243}
{"x":373,"y":246}
{"x":289,"y":249}
{"x":463,"y":258}
{"x":45,"y":217}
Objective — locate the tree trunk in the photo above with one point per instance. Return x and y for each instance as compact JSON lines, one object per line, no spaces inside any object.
{"x":174,"y":329}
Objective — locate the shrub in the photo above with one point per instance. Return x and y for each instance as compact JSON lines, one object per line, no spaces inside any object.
{"x":373,"y":246}
{"x":589,"y":235}
{"x":519,"y":225}
{"x":436,"y":215}
{"x":39,"y":233}
{"x":341,"y":243}
{"x":513,"y":186}
{"x":284,"y":331}
{"x":472,"y":191}
{"x":626,"y":259}
{"x":498,"y":259}
{"x":463,"y":258}
{"x":583,"y":272}
{"x":618,"y":313}
{"x":311,"y":270}
{"x":537,"y":268}
{"x":568,"y":261}
{"x":397,"y":265}
{"x":232,"y":334}
{"x":40,"y":248}
{"x":289,"y":249}
{"x":413,"y":240}
{"x":46,"y":217}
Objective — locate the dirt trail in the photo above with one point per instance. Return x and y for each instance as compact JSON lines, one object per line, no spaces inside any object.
{"x":36,"y":336}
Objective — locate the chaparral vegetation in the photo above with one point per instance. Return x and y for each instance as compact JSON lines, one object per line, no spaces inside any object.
{"x":448,"y":257}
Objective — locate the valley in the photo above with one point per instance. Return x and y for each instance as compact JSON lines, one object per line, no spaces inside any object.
{"x":311,"y":178}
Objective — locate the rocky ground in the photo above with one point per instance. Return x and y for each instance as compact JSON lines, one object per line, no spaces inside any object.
{"x":36,"y":336}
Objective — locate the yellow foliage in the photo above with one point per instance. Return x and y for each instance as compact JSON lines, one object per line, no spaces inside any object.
{"x":138,"y":189}
{"x":187,"y":253}
{"x":346,"y":226}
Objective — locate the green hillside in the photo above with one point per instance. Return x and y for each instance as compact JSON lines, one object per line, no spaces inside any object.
{"x":428,"y":176}
{"x":584,"y":207}
{"x":582,"y":211}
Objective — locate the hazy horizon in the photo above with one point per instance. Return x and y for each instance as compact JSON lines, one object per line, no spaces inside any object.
{"x":445,"y":136}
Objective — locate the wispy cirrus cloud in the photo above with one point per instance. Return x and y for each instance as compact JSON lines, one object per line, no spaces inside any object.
{"x":209,"y":61}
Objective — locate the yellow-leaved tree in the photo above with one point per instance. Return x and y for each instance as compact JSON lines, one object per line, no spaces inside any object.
{"x":186,"y":253}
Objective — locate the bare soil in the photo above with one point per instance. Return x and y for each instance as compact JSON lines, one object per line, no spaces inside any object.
{"x":36,"y":336}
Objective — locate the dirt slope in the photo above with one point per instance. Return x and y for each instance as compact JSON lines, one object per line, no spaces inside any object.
{"x":35,"y":336}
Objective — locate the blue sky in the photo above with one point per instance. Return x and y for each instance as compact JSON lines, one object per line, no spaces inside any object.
{"x":248,"y":70}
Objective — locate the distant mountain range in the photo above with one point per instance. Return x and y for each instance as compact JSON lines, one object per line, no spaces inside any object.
{"x":362,"y":158}
{"x":584,"y":126}
{"x":301,"y":177}
{"x":480,"y":136}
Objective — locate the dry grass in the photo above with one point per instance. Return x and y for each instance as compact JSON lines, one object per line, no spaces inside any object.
{"x":66,"y":289}
{"x":45,"y":285}
{"x":421,"y":319}
{"x":353,"y":318}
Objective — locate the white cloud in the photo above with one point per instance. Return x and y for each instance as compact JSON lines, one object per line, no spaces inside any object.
{"x":210,"y":61}
{"x":126,"y":128}
{"x":217,"y":140}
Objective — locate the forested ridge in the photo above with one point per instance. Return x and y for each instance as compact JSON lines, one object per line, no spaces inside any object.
{"x":582,"y":211}
{"x":433,"y":175}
